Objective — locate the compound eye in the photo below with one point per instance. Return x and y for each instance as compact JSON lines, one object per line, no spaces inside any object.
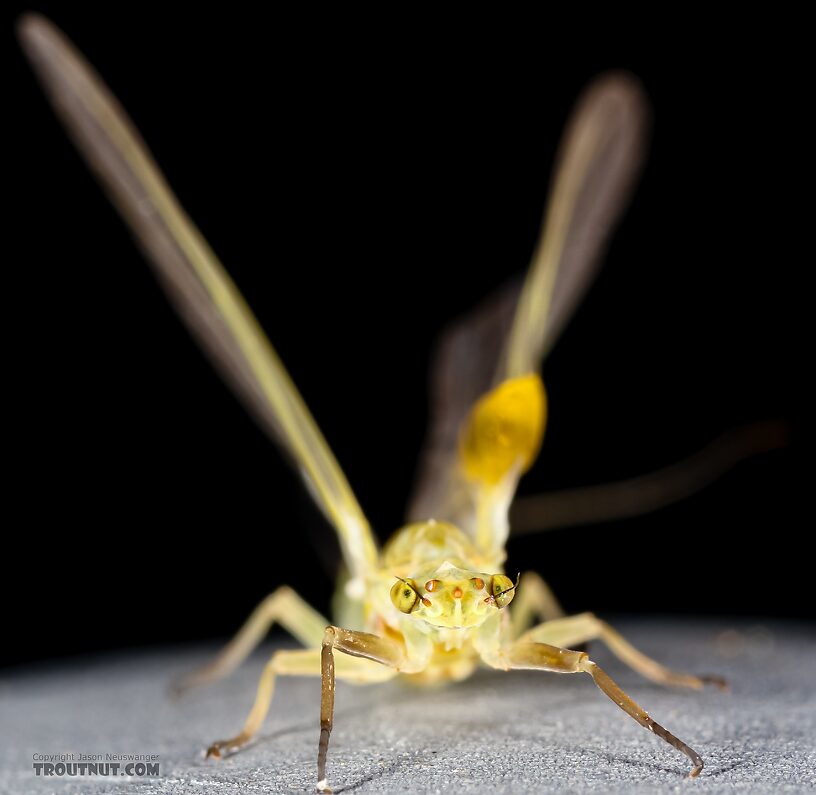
{"x":404,"y":595}
{"x":501,"y":590}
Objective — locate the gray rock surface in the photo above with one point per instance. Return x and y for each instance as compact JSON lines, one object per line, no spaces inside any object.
{"x":517,"y":733}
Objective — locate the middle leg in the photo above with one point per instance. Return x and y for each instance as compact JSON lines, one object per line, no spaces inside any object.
{"x":299,"y":662}
{"x":534,"y":602}
{"x":283,"y":607}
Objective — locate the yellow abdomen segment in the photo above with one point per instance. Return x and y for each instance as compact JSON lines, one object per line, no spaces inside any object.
{"x":504,"y":429}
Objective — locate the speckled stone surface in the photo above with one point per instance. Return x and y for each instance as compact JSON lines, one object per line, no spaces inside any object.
{"x":515,"y":733}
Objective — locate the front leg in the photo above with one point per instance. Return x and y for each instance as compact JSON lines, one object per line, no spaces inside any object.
{"x":543,"y":657}
{"x":575,"y":631}
{"x":357,"y":644}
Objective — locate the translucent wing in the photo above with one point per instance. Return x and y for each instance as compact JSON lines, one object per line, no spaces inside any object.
{"x":463,"y":368}
{"x":600,"y":156}
{"x":195,"y":280}
{"x":598,"y":160}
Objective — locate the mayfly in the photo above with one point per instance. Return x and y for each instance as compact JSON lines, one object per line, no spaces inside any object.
{"x":432,"y":603}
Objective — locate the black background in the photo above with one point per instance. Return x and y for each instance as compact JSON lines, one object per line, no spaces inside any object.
{"x":366,"y":180}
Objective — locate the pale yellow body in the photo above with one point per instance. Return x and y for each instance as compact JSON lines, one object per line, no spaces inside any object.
{"x":437,"y":604}
{"x":431,"y":605}
{"x":443,"y":640}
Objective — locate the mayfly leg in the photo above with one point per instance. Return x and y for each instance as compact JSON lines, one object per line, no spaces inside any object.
{"x":298,"y":662}
{"x":283,"y":607}
{"x":535,"y":602}
{"x":356,"y":644}
{"x":576,"y":630}
{"x":524,"y":655}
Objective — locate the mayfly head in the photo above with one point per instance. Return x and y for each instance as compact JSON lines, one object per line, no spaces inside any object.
{"x":451,"y":597}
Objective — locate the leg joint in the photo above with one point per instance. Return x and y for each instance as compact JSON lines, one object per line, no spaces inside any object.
{"x":280,"y":594}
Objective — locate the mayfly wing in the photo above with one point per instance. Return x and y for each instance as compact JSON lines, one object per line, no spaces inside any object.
{"x":195,"y":280}
{"x":600,"y":156}
{"x":463,"y":368}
